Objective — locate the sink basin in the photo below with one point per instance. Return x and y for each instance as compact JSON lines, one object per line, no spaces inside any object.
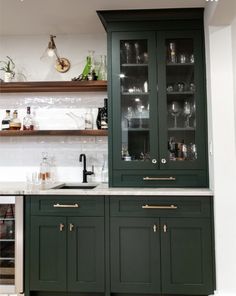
{"x":76,"y":186}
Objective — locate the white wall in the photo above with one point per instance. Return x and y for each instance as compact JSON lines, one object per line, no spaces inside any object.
{"x":19,"y":156}
{"x":220,"y":53}
{"x":233,"y":30}
{"x":27,"y":50}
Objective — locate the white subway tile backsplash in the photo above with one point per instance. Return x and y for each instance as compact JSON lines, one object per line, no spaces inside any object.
{"x":19,"y":155}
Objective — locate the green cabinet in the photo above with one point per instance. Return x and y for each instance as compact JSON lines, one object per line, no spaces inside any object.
{"x":161,"y":246}
{"x":135,"y":256}
{"x":66,"y":246}
{"x":157,"y":100}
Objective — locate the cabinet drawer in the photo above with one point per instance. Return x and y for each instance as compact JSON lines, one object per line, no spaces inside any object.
{"x":174,"y":206}
{"x":187,"y":178}
{"x":67,"y":205}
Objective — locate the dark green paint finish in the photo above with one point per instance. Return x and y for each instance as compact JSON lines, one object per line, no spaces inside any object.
{"x":47,"y":254}
{"x":87,"y":206}
{"x":135,"y":256}
{"x":86,"y":254}
{"x":186,"y":249}
{"x":156,"y":26}
{"x":187,"y":206}
{"x":183,"y":178}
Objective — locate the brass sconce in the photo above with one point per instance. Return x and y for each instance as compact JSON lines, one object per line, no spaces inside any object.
{"x":62,"y":64}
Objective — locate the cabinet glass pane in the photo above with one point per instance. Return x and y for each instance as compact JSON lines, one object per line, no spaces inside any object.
{"x":7,"y":244}
{"x":181,"y":103}
{"x":134,"y":100}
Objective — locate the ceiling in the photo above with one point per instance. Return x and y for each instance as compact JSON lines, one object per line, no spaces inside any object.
{"x":27,"y":17}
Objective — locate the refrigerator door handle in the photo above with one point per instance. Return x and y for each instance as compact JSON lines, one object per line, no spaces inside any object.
{"x":19,"y":244}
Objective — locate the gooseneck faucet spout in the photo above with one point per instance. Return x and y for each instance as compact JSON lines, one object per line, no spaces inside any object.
{"x":82,"y":157}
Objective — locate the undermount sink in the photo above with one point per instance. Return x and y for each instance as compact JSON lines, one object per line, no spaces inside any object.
{"x":76,"y":186}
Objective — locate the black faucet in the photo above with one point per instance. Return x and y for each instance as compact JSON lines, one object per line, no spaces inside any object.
{"x":85,"y":172}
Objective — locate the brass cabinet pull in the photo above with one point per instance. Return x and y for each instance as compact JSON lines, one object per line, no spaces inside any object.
{"x":66,"y":206}
{"x":61,"y":226}
{"x":71,"y":227}
{"x":171,"y":207}
{"x":154,"y":228}
{"x":159,"y":178}
{"x":165,"y":228}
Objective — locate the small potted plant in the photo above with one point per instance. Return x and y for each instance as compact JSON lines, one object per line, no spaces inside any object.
{"x":8,"y":67}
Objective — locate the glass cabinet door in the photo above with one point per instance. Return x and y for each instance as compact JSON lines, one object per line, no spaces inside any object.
{"x":133,"y":101}
{"x":7,"y":244}
{"x":183,"y":92}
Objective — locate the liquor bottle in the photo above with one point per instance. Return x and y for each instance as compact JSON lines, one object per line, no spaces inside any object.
{"x":104,"y":116}
{"x":6,"y":121}
{"x":44,"y":168}
{"x":15,"y":123}
{"x":98,"y":120}
{"x":28,"y":123}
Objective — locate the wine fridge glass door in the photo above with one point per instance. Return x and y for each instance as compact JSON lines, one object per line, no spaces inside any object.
{"x":7,"y":244}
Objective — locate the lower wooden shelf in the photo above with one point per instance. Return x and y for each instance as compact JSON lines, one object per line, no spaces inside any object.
{"x":13,"y":133}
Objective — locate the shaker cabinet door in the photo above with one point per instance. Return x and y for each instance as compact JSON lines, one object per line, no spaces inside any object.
{"x":85,"y":254}
{"x":187,"y":264}
{"x":48,"y":253}
{"x":182,"y":121}
{"x":135,"y":255}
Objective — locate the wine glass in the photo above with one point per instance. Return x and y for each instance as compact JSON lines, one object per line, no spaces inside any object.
{"x":187,"y":112}
{"x":140,"y":110}
{"x":128,"y":52}
{"x":129,"y":115}
{"x":137,"y":55}
{"x":194,"y":114}
{"x":175,"y":111}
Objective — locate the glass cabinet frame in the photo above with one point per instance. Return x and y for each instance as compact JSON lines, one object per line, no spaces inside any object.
{"x":157,"y":65}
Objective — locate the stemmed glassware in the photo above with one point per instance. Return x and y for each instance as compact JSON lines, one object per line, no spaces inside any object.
{"x":129,"y":115}
{"x":175,"y":111}
{"x":187,"y":112}
{"x":128,"y":52}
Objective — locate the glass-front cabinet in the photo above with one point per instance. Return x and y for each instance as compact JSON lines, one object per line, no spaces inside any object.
{"x":157,"y":104}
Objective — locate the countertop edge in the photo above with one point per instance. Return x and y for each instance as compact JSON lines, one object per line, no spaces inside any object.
{"x":19,"y":188}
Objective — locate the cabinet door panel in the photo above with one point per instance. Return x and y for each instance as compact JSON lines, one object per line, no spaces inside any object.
{"x":135,"y":255}
{"x":85,"y":254}
{"x":186,"y":256}
{"x":134,"y":107}
{"x":48,"y":254}
{"x":183,"y":117}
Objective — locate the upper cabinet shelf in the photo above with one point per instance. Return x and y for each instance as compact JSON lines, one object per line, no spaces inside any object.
{"x":53,"y":86}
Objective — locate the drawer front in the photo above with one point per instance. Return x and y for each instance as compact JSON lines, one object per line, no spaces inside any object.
{"x":67,"y":205}
{"x":163,"y":178}
{"x":166,"y":206}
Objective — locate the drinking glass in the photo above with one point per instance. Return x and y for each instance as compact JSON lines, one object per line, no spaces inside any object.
{"x":194,"y":113}
{"x":175,"y":111}
{"x":128,"y":52}
{"x":129,"y":115}
{"x":137,"y":54}
{"x":187,"y":111}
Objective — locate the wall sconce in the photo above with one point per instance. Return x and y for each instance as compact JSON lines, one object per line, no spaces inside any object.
{"x":62,"y":64}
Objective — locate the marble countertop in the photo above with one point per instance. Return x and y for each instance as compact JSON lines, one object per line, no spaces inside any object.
{"x":21,"y":188}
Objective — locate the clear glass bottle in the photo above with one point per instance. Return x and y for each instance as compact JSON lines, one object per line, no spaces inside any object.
{"x":15,"y":123}
{"x":104,"y":172}
{"x":102,"y":73}
{"x":88,"y":120}
{"x":6,"y":121}
{"x":28,"y":122}
{"x":44,"y":168}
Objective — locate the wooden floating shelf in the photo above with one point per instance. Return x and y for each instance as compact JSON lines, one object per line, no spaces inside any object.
{"x":13,"y":133}
{"x":53,"y":86}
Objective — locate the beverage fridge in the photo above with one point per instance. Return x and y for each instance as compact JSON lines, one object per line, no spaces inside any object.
{"x":11,"y":244}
